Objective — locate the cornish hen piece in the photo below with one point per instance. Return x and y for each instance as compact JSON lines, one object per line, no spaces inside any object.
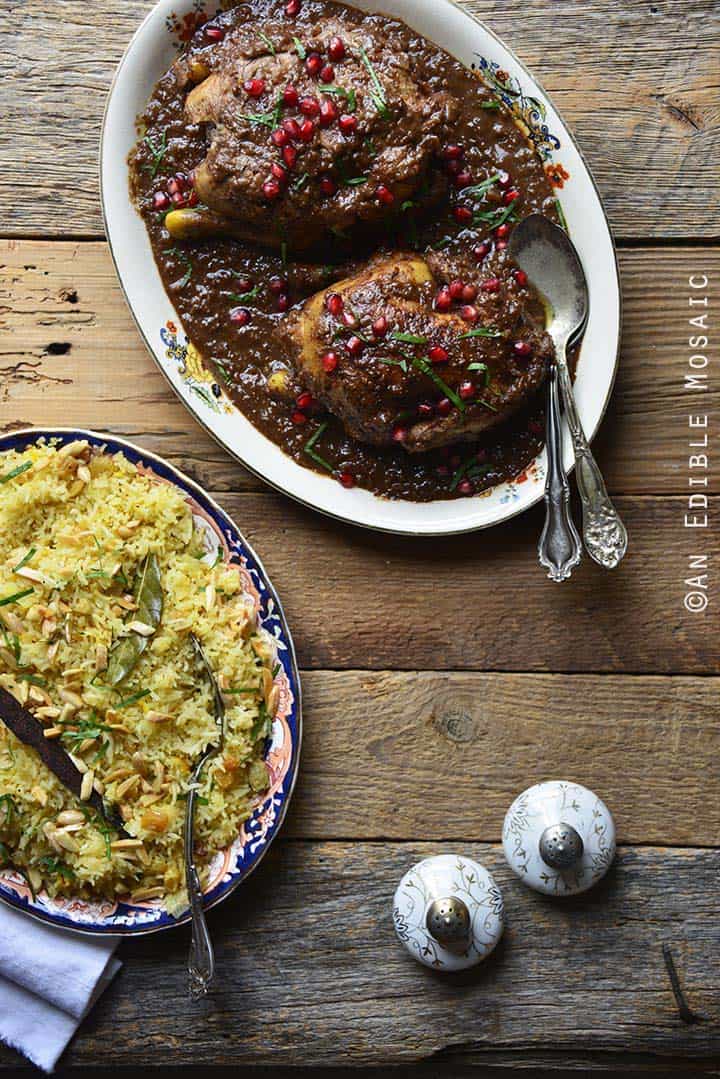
{"x":308,"y":139}
{"x":380,"y":355}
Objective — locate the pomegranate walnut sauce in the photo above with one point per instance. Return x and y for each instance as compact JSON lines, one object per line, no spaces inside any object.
{"x":329,"y":197}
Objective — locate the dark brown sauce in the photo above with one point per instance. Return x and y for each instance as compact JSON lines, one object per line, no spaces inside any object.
{"x":201,"y":278}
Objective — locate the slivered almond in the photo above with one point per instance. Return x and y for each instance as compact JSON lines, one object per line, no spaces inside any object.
{"x":210,"y":594}
{"x":119,"y":773}
{"x":8,"y":657}
{"x":126,"y":530}
{"x":76,"y":488}
{"x":125,"y":812}
{"x":99,"y":786}
{"x":127,"y":603}
{"x":34,"y":575}
{"x":126,"y":844}
{"x":39,"y":795}
{"x":13,"y":622}
{"x":126,"y":785}
{"x":86,"y":787}
{"x":53,"y":651}
{"x":84,"y":474}
{"x":67,"y":842}
{"x":141,"y":628}
{"x":70,"y":697}
{"x":79,"y":763}
{"x":273,"y":701}
{"x":70,"y":816}
{"x":158,"y":717}
{"x":85,"y":744}
{"x":73,"y":672}
{"x":70,"y":828}
{"x":36,"y":694}
{"x":101,"y":658}
{"x":52,"y":732}
{"x":73,"y":449}
{"x":50,"y":711}
{"x":48,"y":627}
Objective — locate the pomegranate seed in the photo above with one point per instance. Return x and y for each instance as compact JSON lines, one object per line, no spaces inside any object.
{"x":239,"y":316}
{"x":521,"y":277}
{"x":349,"y":320}
{"x":463,"y":179}
{"x":522,"y":348}
{"x":278,"y":172}
{"x":310,"y":106}
{"x":425,"y":410}
{"x":289,"y":156}
{"x":380,"y":326}
{"x":492,"y":284}
{"x":346,"y":477}
{"x":466,"y":487}
{"x":174,"y":186}
{"x":244,"y":284}
{"x":254,"y":87}
{"x":304,"y":400}
{"x":290,"y":96}
{"x":501,"y":245}
{"x":298,"y":417}
{"x":307,"y":130}
{"x":160,"y":201}
{"x":348,"y":124}
{"x":469,"y":293}
{"x":329,"y":362}
{"x":182,"y":181}
{"x":335,"y":304}
{"x":399,"y":433}
{"x":384,"y":195}
{"x":503,"y":178}
{"x":452,"y":152}
{"x":327,"y":185}
{"x":510,"y":196}
{"x":442,"y":470}
{"x":438,"y":354}
{"x":354,"y":345}
{"x":327,"y":74}
{"x":443,"y":300}
{"x":292,"y":127}
{"x":456,"y":289}
{"x":328,"y":112}
{"x":453,"y":168}
{"x":277,"y":285}
{"x":535,"y":427}
{"x":502,"y":231}
{"x":313,"y":63}
{"x":444,"y":406}
{"x":292,"y":8}
{"x":466,"y":390}
{"x":271,"y":189}
{"x":469,"y":313}
{"x":482,"y":250}
{"x":214,"y":33}
{"x":463,"y":215}
{"x":280,"y":137}
{"x":178,"y":199}
{"x":336,"y":48}
{"x":283,"y":302}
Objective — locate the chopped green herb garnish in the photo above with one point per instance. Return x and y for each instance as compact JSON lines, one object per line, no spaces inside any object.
{"x":370,"y":147}
{"x":262,"y":725}
{"x":340,"y":91}
{"x":157,"y":152}
{"x":33,"y":679}
{"x":244,"y":297}
{"x":184,"y":258}
{"x":308,"y":447}
{"x":267,"y":41}
{"x":6,"y":600}
{"x":12,"y":642}
{"x":25,"y":559}
{"x":409,"y":338}
{"x":299,"y":48}
{"x":561,"y":215}
{"x":283,"y":252}
{"x":481,"y":367}
{"x":471,"y":468}
{"x":379,"y":99}
{"x":127,"y":701}
{"x":407,"y":205}
{"x":485,"y":404}
{"x":394,"y":363}
{"x":49,"y":864}
{"x":301,"y":182}
{"x":183,"y":797}
{"x":219,"y":555}
{"x":7,"y":804}
{"x":481,"y":331}
{"x":16,"y":472}
{"x":494,"y":217}
{"x":426,"y":368}
{"x":490,"y":105}
{"x":478,"y":191}
{"x":277,"y":667}
{"x":265,"y":119}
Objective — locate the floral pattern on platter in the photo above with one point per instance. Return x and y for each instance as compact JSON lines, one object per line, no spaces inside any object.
{"x":529,"y":112}
{"x":194,"y":374}
{"x":547,"y":804}
{"x":445,"y":876}
{"x":183,"y":28}
{"x":228,"y":867}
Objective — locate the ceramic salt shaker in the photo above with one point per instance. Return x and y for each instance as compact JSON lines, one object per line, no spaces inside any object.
{"x":559,"y":838}
{"x":448,"y":912}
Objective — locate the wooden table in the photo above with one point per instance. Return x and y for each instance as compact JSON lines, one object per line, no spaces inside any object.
{"x":441,"y":677}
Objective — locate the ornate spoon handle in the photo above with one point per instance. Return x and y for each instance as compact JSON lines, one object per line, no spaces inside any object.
{"x":201,"y":960}
{"x":604,"y":533}
{"x":559,"y":549}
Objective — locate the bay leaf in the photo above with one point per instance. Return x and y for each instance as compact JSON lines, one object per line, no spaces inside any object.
{"x":148,"y":596}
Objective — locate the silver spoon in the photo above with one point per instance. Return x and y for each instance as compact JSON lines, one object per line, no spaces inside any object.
{"x":201,"y":960}
{"x":544,"y":251}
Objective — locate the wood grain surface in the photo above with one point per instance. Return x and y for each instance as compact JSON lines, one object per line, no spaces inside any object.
{"x":440,"y":677}
{"x":637,"y":86}
{"x":312,"y":971}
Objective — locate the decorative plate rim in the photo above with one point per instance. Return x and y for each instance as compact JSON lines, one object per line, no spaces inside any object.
{"x":189,"y":487}
{"x":503,"y":512}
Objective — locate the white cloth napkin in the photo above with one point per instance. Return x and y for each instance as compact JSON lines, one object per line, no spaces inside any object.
{"x":49,"y":981}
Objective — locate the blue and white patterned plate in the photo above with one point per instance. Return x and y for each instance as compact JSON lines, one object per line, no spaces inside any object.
{"x":231,"y":866}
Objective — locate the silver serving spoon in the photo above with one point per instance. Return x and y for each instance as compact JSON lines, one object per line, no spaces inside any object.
{"x":201,"y":959}
{"x":544,"y":251}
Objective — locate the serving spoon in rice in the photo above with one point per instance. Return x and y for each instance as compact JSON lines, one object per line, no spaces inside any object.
{"x":201,"y":959}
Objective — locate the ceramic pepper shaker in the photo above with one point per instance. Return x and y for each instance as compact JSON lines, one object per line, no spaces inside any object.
{"x":559,"y":838}
{"x":448,"y":912}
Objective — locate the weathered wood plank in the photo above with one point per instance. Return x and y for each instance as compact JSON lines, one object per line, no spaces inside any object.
{"x":643,"y":112}
{"x":64,"y":325}
{"x":310,"y":970}
{"x":441,"y":756}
